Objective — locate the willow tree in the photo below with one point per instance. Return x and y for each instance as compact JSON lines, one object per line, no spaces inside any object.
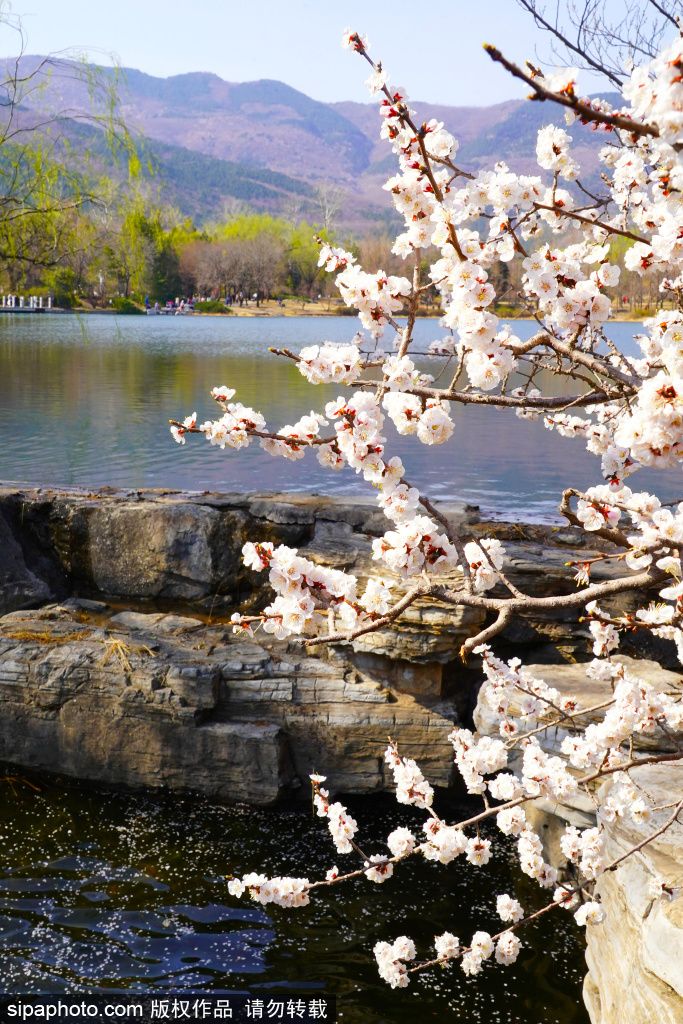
{"x":47,"y":172}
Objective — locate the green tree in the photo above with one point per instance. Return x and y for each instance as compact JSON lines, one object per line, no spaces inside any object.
{"x":303,"y":253}
{"x":45,"y":182}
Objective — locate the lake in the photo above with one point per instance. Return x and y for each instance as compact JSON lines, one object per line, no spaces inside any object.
{"x":85,"y":400}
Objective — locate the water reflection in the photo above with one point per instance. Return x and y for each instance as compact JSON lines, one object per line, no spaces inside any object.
{"x":86,"y":401}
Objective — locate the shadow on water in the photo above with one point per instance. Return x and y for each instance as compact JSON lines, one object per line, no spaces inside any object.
{"x":102,"y":889}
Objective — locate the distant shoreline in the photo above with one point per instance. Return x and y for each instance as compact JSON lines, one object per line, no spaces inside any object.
{"x":271,"y":309}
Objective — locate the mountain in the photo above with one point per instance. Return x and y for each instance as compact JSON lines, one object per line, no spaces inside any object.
{"x":268,"y":144}
{"x":199,"y":185}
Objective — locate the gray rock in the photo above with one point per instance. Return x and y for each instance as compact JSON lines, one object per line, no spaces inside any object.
{"x":635,"y":968}
{"x":175,"y":624}
{"x":231,"y":719}
{"x":82,"y":604}
{"x":147,"y":550}
{"x":281,"y":512}
{"x":19,"y":587}
{"x":136,"y":620}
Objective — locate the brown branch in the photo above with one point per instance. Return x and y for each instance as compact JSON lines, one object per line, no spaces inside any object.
{"x":453,"y":537}
{"x":507,"y":401}
{"x":561,"y":212}
{"x":606,"y":532}
{"x":583,"y":111}
{"x":294,"y":442}
{"x":595,"y":592}
{"x":554,"y":30}
{"x":420,"y":589}
{"x":504,"y":616}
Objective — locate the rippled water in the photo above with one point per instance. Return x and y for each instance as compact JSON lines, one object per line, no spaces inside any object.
{"x":106,"y":890}
{"x":86,"y":401}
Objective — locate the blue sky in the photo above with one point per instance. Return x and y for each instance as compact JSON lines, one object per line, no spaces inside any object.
{"x":433,"y":50}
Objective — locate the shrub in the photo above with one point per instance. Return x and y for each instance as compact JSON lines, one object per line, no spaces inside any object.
{"x":125,"y":306}
{"x":211,"y":307}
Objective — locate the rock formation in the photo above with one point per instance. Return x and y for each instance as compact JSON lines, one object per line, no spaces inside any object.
{"x":117,"y":664}
{"x":637,"y":953}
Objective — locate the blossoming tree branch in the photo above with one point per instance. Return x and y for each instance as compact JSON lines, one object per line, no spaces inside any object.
{"x":628,"y":410}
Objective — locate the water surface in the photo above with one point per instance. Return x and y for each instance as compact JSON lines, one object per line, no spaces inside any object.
{"x":85,"y":400}
{"x":115,"y":891}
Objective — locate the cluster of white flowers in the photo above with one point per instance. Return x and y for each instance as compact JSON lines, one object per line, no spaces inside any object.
{"x":511,"y":820}
{"x":508,"y":908}
{"x":589,"y":913}
{"x":428,"y":418}
{"x":530,"y":853}
{"x":588,"y":849}
{"x":377,"y":297}
{"x":545,"y":776}
{"x":354,"y":40}
{"x":484,"y":558}
{"x":659,"y":889}
{"x":637,"y":707}
{"x":411,"y":785}
{"x":478,"y":851}
{"x":600,"y":509}
{"x":481,"y":948}
{"x":570,"y":298}
{"x":304,"y":430}
{"x":443,"y":347}
{"x":446,"y":945}
{"x":391,"y":959}
{"x":285,"y":892}
{"x":330,"y":363}
{"x":565,"y":896}
{"x":340,"y":823}
{"x":477,"y":757}
{"x":401,"y":842}
{"x":515,"y":695}
{"x":444,"y":843}
{"x":552,"y":152}
{"x":415,"y":546}
{"x":306,"y":593}
{"x":378,"y":869}
{"x":507,"y":948}
{"x":234,"y":426}
{"x":655,"y":92}
{"x":178,"y":432}
{"x":487,"y":348}
{"x":334,"y":258}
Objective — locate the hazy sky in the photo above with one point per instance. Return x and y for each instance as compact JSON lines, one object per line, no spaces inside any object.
{"x":435,"y":53}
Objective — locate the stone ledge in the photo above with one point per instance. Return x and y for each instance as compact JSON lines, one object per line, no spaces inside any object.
{"x":128,"y":699}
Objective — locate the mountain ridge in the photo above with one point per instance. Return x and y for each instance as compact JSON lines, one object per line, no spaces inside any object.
{"x":244,"y":129}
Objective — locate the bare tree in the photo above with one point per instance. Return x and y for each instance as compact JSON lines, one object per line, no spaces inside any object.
{"x":592,"y":35}
{"x":263,"y":262}
{"x":329,"y":200}
{"x":291,"y":210}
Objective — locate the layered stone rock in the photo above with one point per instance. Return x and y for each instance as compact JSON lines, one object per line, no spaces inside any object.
{"x":133,"y":695}
{"x":185,"y":549}
{"x":164,"y":700}
{"x":635,"y":957}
